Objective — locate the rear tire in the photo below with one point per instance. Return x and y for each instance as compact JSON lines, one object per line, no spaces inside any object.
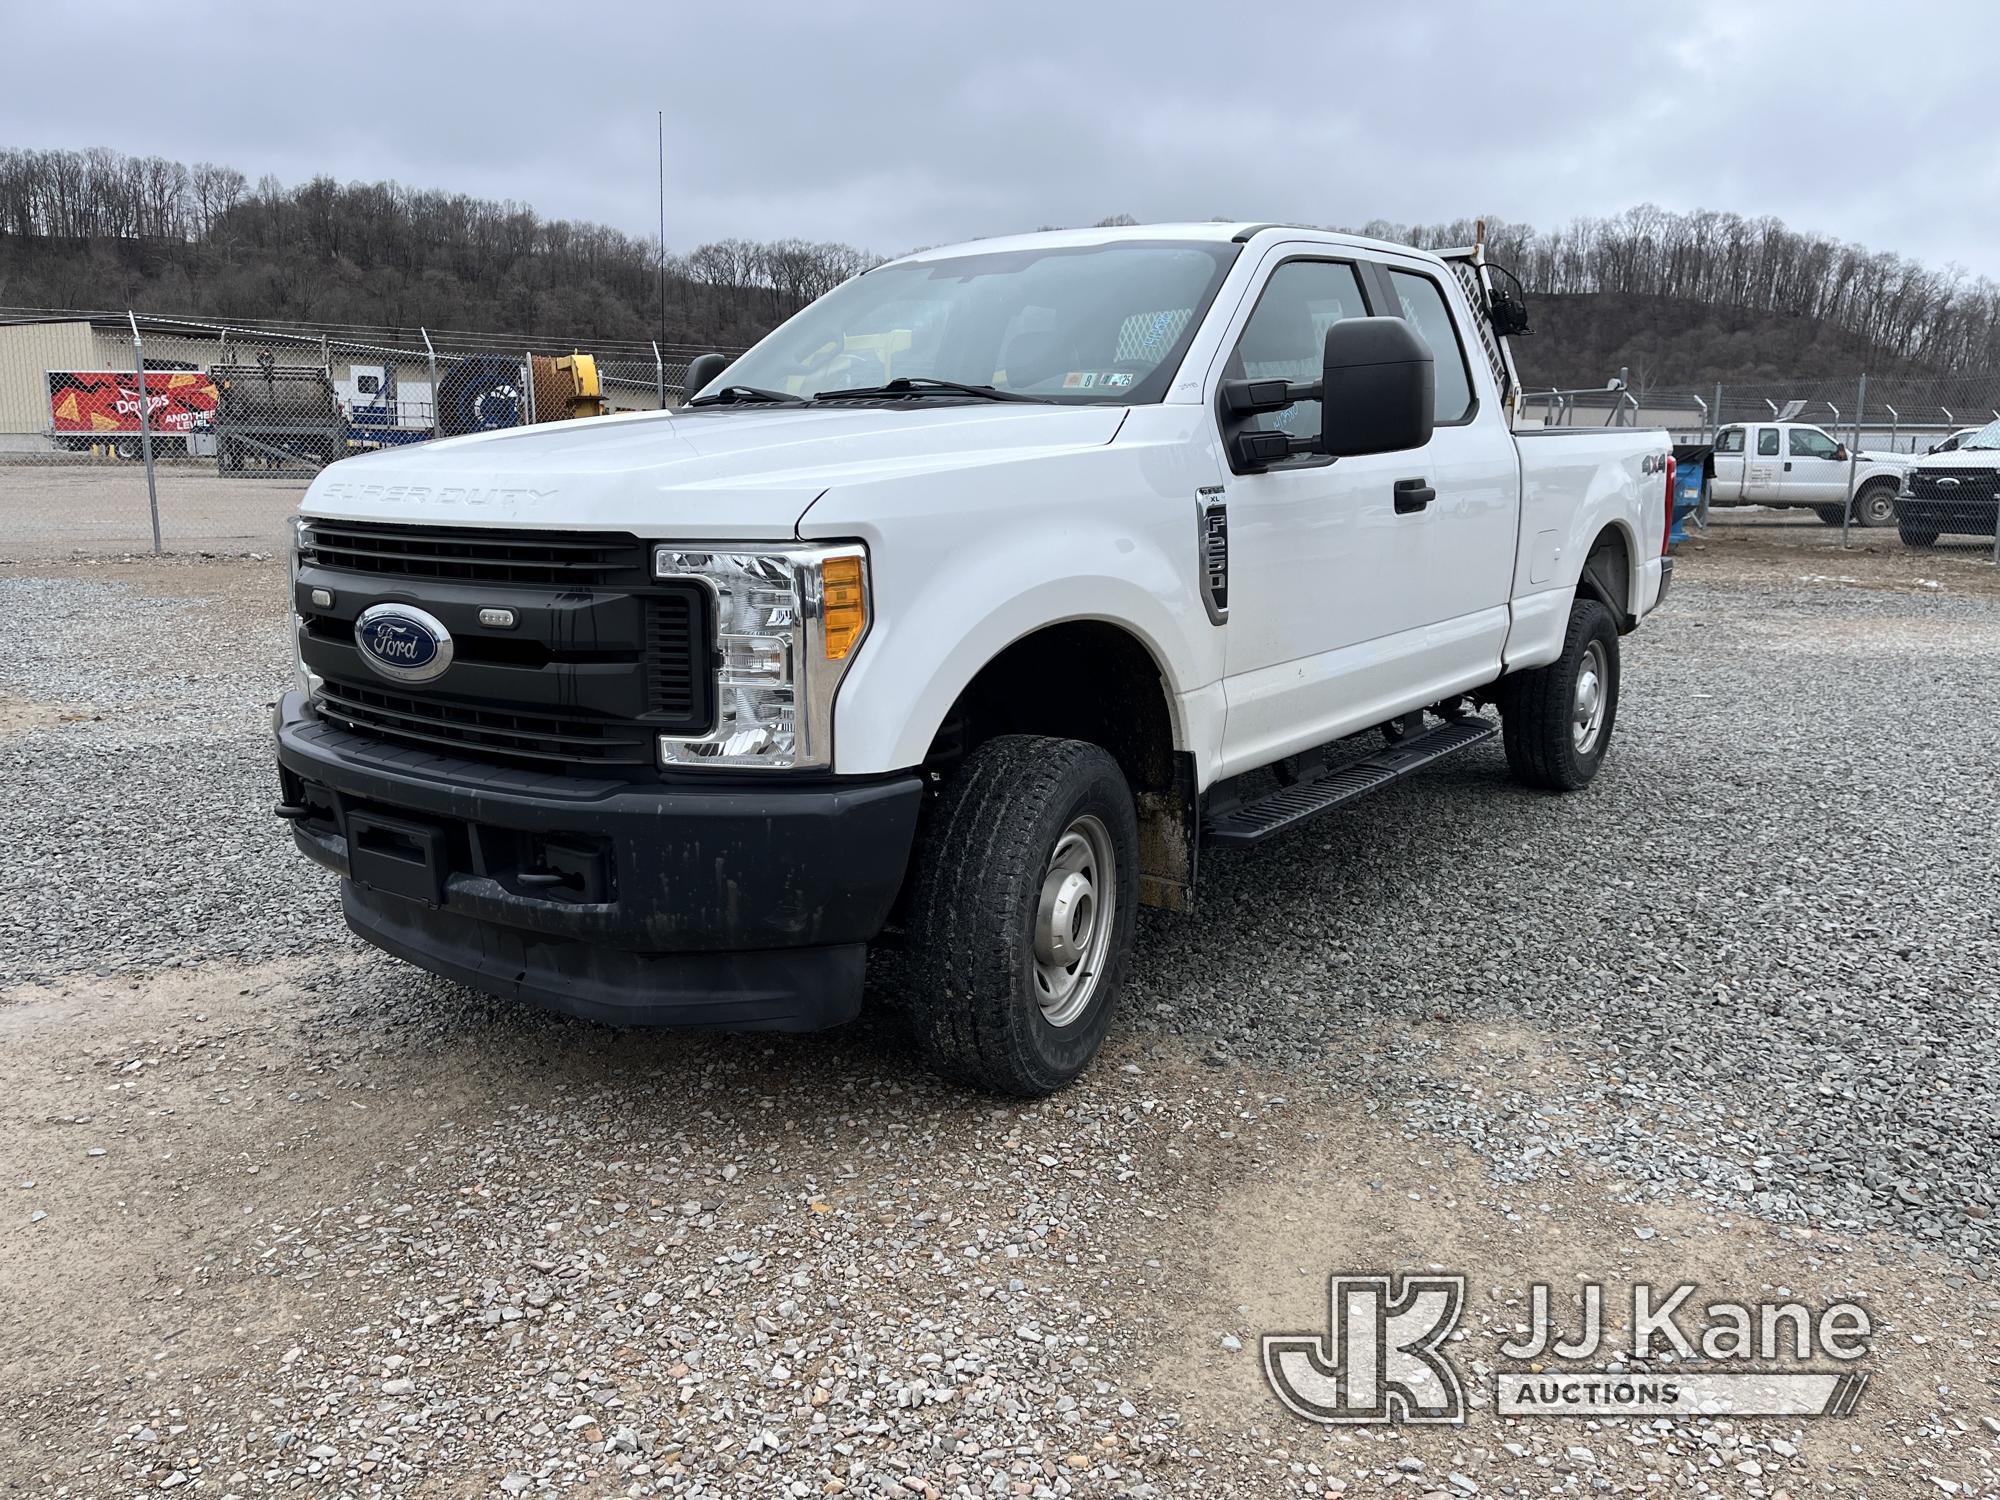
{"x":1556,"y":721}
{"x":1021,"y":913}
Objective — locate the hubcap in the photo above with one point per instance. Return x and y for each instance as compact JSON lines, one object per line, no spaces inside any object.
{"x":1073,"y":919}
{"x":1593,"y":682}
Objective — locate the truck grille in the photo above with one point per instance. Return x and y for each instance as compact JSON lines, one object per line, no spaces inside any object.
{"x":675,"y":686}
{"x":600,"y":658}
{"x":569,"y":560}
{"x":546,"y":741}
{"x":1978,"y":485}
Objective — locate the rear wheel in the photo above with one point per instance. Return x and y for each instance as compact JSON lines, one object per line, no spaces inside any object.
{"x":1557,"y":720}
{"x":1021,"y":913}
{"x":1876,"y":505}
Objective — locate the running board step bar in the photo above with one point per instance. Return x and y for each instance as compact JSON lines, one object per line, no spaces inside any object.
{"x":1290,"y":806}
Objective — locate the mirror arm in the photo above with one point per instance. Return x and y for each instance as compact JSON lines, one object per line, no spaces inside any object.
{"x":1255,"y":398}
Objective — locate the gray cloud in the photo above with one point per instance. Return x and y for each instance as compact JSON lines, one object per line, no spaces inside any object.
{"x":897,"y":126}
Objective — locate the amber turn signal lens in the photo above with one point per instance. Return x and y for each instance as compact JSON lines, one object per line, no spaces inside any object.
{"x":845,"y":605}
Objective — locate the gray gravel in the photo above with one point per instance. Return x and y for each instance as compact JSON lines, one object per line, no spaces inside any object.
{"x":1773,"y":920}
{"x":138,"y":833}
{"x":435,"y":1241}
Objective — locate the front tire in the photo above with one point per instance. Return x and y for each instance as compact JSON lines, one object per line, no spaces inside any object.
{"x":1556,"y":721}
{"x":1914,"y":535}
{"x":1829,"y":515}
{"x":1876,"y":505}
{"x":1021,"y":913}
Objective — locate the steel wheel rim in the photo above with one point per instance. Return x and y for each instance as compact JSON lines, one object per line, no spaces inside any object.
{"x":1593,"y":687}
{"x":1074,"y":915}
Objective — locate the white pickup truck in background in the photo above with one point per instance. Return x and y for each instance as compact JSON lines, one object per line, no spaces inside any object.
{"x":1797,"y":464}
{"x":965,"y":610}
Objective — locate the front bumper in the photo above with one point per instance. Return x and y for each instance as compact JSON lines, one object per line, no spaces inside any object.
{"x":1946,"y":517}
{"x":746,"y":907}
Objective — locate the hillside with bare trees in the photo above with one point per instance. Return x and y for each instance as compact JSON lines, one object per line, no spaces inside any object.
{"x":1676,"y":298}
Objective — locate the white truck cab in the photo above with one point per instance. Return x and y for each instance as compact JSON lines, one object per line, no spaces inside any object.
{"x":965,"y":611}
{"x":1797,"y":464}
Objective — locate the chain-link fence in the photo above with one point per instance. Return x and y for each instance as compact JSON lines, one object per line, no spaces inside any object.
{"x":126,"y":433}
{"x":1899,"y":460}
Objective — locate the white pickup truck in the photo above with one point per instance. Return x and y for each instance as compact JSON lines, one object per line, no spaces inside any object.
{"x":1797,"y":464}
{"x":965,"y":611}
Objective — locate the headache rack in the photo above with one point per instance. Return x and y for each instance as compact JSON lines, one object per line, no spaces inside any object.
{"x":1501,"y":314}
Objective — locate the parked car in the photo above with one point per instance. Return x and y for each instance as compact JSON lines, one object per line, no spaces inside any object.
{"x":1796,"y":463}
{"x":1956,"y":492}
{"x":970,"y":607}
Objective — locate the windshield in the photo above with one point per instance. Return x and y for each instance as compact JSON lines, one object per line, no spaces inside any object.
{"x":1093,"y":323}
{"x":1987,"y":437}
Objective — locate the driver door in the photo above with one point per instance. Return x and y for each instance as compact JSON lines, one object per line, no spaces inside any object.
{"x":1345,"y":610}
{"x":1815,"y":473}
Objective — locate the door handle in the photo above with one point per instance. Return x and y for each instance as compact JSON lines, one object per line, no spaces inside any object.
{"x":1413,"y":495}
{"x":1788,"y":466}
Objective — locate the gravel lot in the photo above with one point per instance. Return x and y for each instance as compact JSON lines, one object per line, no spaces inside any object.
{"x":53,"y":506}
{"x":280,"y":1214}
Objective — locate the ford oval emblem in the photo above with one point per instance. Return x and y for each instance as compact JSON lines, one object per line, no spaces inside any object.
{"x":403,"y":643}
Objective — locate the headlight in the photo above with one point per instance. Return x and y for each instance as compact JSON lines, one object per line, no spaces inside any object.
{"x":788,"y":620}
{"x":303,"y":677}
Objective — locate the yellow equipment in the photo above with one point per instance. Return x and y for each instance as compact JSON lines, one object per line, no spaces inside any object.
{"x":567,"y":386}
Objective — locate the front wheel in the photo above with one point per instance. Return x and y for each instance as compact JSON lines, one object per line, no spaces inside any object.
{"x":1876,"y":505}
{"x":1829,"y":515}
{"x":1556,"y":720}
{"x":1914,"y":535}
{"x":1021,"y":913}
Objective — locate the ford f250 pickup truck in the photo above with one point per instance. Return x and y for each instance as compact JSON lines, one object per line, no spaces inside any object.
{"x":967,"y":610}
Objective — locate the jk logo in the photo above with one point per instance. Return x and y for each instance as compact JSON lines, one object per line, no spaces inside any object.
{"x":1378,"y":1361}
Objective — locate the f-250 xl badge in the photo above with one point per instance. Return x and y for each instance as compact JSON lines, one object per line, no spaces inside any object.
{"x":1212,"y":518}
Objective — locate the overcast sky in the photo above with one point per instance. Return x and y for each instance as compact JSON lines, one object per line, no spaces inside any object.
{"x":892,"y":126}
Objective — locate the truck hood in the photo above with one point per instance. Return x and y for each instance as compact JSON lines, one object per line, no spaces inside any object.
{"x":1960,"y":458}
{"x":736,"y":473}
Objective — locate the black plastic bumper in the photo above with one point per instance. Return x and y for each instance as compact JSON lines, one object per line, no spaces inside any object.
{"x":746,"y":907}
{"x":1948,"y":517}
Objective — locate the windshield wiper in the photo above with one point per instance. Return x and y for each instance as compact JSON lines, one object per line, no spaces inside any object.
{"x":924,"y":385}
{"x":733,"y":395}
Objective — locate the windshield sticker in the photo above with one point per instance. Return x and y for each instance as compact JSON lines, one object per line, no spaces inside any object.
{"x":1118,"y":377}
{"x":1079,"y":380}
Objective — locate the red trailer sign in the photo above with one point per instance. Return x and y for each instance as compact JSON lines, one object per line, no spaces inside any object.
{"x":107,"y":401}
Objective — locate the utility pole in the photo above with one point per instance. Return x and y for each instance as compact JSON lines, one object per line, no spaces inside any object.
{"x":660,"y":250}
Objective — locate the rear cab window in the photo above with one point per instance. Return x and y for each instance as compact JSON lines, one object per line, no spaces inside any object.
{"x":1767,"y":442}
{"x":1730,"y":440}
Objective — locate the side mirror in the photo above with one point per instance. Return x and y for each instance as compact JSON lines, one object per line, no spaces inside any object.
{"x":702,"y":369}
{"x":1378,"y":392}
{"x":1840,"y":452}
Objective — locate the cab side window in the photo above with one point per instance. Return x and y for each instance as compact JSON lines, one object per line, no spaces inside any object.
{"x":1767,"y":442}
{"x":1423,"y":304}
{"x":1807,"y":443}
{"x":1286,"y":335}
{"x":1730,"y":440}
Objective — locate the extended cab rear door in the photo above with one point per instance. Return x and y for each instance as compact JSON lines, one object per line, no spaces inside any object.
{"x":1350,"y":602}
